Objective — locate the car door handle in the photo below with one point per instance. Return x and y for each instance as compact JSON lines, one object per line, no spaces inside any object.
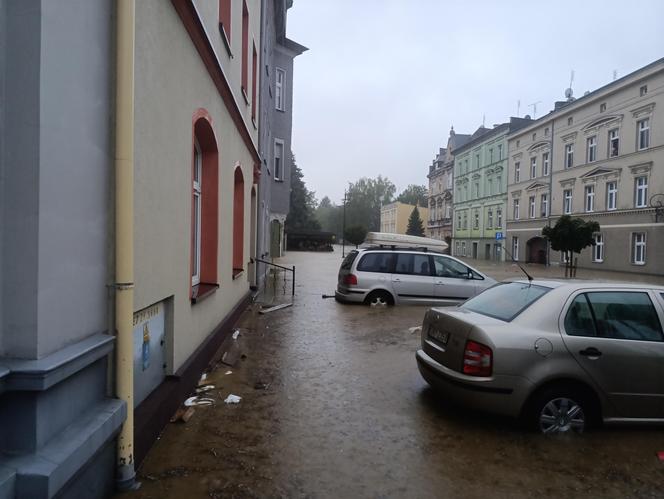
{"x":591,"y":352}
{"x":396,"y":279}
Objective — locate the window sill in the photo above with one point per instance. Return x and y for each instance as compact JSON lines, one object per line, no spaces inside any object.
{"x":278,"y":179}
{"x":244,"y":94}
{"x":227,"y":42}
{"x":253,"y":122}
{"x":237,"y":273}
{"x":201,"y":291}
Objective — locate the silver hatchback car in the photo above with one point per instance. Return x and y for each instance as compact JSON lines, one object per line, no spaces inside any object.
{"x":383,"y":276}
{"x":562,"y":355}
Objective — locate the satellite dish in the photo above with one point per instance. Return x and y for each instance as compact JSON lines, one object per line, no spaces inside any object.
{"x":568,"y":93}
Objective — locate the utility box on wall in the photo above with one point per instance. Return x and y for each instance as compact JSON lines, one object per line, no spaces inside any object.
{"x":149,"y":350}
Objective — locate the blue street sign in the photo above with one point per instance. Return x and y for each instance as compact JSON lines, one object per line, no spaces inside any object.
{"x":499,"y":236}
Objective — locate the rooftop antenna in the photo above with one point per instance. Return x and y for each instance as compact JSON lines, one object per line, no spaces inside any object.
{"x":534,"y":106}
{"x":569,"y":93}
{"x":483,"y":120}
{"x":518,"y":108}
{"x":615,"y":74}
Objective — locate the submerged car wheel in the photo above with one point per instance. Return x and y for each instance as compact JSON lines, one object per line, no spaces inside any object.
{"x":379,"y":299}
{"x":557,"y":411}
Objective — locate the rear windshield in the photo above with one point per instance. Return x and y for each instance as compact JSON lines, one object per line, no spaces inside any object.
{"x":348,"y":261}
{"x":505,"y":301}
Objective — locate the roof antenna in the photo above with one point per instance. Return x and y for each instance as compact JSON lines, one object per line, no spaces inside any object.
{"x":483,"y":120}
{"x":518,"y":109}
{"x":534,"y":106}
{"x":530,"y":278}
{"x":615,"y":74}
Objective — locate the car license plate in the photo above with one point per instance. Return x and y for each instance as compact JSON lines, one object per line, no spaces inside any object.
{"x":439,"y":336}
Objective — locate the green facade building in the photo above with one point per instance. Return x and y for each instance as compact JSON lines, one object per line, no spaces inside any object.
{"x":480,"y":192}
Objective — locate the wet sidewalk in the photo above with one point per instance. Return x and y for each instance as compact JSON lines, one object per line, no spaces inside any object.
{"x":332,"y":405}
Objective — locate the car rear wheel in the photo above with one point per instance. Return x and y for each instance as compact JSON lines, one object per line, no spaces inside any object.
{"x":379,"y":299}
{"x":561,"y":411}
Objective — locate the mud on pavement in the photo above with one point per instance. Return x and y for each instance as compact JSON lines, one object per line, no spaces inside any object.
{"x":332,"y":405}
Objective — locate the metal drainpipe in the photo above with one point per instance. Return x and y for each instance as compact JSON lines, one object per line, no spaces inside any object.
{"x":124,"y":242}
{"x":550,"y":206}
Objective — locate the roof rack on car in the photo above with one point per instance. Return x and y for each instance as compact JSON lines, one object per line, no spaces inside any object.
{"x":402,"y":241}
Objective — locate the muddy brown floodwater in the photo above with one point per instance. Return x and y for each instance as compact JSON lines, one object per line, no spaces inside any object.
{"x":333,"y":406}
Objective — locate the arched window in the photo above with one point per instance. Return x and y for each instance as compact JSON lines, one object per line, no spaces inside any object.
{"x":204,"y":206}
{"x":238,"y":223}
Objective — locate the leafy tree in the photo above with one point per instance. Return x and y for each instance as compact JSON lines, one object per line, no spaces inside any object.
{"x":364,"y":199}
{"x":355,"y":234}
{"x":571,"y":235}
{"x":330,"y":217}
{"x":415,"y":226}
{"x":302,"y":204}
{"x":414,"y":194}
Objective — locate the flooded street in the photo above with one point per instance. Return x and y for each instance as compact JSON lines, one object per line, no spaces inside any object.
{"x":333,"y":406}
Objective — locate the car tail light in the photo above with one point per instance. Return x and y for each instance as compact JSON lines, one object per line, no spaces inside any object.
{"x":351,"y":280}
{"x":477,"y":359}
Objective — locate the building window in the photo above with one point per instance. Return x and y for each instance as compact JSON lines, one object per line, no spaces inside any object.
{"x":533,"y":167}
{"x":463,"y":248}
{"x":546,"y":132}
{"x":570,"y":120}
{"x":278,"y":159}
{"x":602,"y":107}
{"x":544,"y":205}
{"x":639,"y":248}
{"x":531,"y":207}
{"x":465,"y":220}
{"x":590,"y":198}
{"x":564,"y":257}
{"x":569,"y":155}
{"x":499,"y":217}
{"x":640,"y":192}
{"x":204,"y":204}
{"x":490,"y":187}
{"x":644,"y":133}
{"x":517,"y":171}
{"x":567,"y":201}
{"x":598,"y":248}
{"x":477,"y":161}
{"x":447,"y":211}
{"x":238,"y":223}
{"x":515,"y":248}
{"x":591,"y":148}
{"x":500,"y":152}
{"x":545,"y":164}
{"x":457,"y":248}
{"x":499,"y":181}
{"x":476,"y":223}
{"x":280,"y":80}
{"x":245,"y":49}
{"x":515,"y":204}
{"x":611,"y":195}
{"x":459,"y":221}
{"x":489,"y":219}
{"x":254,"y":81}
{"x":534,"y":136}
{"x":196,"y":218}
{"x":490,"y":155}
{"x":643,"y":90}
{"x":614,"y":143}
{"x":477,"y":190}
{"x":518,"y":143}
{"x":225,"y":20}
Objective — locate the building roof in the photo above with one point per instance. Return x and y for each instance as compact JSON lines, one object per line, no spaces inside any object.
{"x":482,"y":134}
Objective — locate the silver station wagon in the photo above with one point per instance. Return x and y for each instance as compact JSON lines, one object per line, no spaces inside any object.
{"x":383,"y":276}
{"x":561,"y":354}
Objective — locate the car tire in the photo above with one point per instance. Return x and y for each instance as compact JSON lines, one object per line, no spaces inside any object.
{"x":561,"y":410}
{"x":379,"y":299}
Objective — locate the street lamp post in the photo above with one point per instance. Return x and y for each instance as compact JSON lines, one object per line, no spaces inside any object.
{"x":343,"y":230}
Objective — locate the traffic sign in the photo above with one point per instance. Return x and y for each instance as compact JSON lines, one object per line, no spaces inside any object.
{"x":499,"y":236}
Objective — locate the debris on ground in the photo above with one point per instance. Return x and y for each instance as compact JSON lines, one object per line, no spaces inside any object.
{"x":227,"y":373}
{"x":415,"y":329}
{"x":203,"y":379}
{"x":236,"y":333}
{"x":231,"y":355}
{"x":191,"y":401}
{"x":259,"y":385}
{"x":183,"y":415}
{"x":327,"y":296}
{"x":204,"y":388}
{"x":276,"y":307}
{"x":232,"y":399}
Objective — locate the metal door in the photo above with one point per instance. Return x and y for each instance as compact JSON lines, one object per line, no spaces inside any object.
{"x":149,"y":350}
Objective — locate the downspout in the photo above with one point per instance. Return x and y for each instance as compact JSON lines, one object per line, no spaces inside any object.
{"x":550,"y":206}
{"x":124,"y":237}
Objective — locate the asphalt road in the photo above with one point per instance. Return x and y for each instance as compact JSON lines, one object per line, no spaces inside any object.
{"x":333,"y":406}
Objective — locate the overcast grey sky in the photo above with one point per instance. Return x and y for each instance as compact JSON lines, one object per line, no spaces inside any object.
{"x":384,"y":80}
